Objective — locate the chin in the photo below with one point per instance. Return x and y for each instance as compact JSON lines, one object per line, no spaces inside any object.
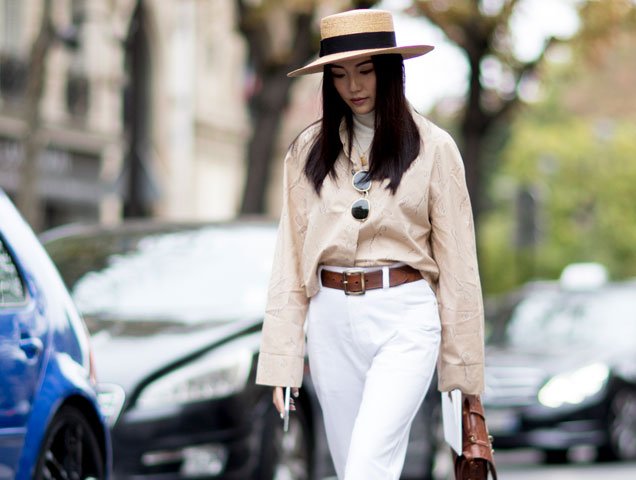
{"x":362,"y":109}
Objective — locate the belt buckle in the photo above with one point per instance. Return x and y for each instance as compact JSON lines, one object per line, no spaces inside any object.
{"x":345,"y":281}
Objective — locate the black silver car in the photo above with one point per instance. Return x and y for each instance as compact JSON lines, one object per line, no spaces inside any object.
{"x":561,"y":372}
{"x":175,"y":314}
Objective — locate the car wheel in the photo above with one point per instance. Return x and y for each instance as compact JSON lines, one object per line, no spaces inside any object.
{"x":621,"y":433}
{"x":286,"y":456}
{"x":555,"y":457}
{"x":70,"y":449}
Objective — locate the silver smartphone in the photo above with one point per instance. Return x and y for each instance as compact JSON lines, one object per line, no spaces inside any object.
{"x":286,"y":414}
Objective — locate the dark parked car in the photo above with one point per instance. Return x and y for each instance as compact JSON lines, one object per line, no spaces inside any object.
{"x":175,"y":313}
{"x":561,"y":371}
{"x":50,"y":423}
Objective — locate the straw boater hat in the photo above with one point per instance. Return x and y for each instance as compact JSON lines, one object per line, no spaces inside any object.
{"x":357,"y":34}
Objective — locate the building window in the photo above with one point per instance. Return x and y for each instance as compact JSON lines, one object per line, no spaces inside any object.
{"x":11,"y":21}
{"x":77,"y":82}
{"x":78,"y":12}
{"x":77,"y":93}
{"x":13,"y":65}
{"x":13,"y":76}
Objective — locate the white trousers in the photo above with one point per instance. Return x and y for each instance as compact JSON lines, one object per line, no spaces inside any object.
{"x":372,"y":358}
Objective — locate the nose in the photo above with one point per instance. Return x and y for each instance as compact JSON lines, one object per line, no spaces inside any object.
{"x":354,"y":85}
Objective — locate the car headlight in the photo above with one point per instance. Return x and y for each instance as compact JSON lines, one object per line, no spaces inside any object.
{"x":111,"y":399}
{"x":574,"y":387}
{"x":216,"y":374}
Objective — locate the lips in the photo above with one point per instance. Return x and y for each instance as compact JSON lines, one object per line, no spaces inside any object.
{"x":358,"y":101}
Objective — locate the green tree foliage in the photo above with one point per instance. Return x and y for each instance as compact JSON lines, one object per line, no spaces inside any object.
{"x":582,"y":169}
{"x":483,"y":30}
{"x":570,"y":158}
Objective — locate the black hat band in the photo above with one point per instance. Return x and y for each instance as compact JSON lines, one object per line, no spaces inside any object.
{"x":357,"y":41}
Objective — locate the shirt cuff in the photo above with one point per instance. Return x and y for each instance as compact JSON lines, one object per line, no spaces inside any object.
{"x":468,"y":378}
{"x":279,"y":370}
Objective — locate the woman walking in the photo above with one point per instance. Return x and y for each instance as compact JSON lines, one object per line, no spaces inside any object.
{"x":375,"y":262}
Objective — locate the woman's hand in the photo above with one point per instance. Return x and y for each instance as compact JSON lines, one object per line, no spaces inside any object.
{"x":279,"y":399}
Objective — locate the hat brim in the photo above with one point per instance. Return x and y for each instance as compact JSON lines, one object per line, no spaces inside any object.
{"x":317,"y":65}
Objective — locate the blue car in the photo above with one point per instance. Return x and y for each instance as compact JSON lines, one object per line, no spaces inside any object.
{"x":50,"y":423}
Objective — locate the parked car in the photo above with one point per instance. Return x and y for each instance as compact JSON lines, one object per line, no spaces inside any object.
{"x":175,"y":312}
{"x":50,"y":422}
{"x":561,"y":369}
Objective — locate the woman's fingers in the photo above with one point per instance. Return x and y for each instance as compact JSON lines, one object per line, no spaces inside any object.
{"x":294,"y":394}
{"x":278,"y":398}
{"x":279,"y":401}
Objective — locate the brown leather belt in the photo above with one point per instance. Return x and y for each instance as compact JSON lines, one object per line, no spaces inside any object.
{"x":355,"y":281}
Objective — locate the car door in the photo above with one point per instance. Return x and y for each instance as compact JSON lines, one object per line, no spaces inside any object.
{"x":21,"y":357}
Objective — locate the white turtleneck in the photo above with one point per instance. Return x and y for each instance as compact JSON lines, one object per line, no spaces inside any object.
{"x":363,"y":131}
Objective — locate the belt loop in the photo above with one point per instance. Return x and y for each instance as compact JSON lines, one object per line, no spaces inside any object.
{"x":386,"y":281}
{"x":320,"y":269}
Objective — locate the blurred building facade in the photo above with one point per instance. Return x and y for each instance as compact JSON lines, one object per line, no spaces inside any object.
{"x":196,"y":122}
{"x":80,"y":108}
{"x":151,"y":89}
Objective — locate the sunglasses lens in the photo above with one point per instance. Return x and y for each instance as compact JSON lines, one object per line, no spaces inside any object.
{"x":360,"y":209}
{"x":361,"y":182}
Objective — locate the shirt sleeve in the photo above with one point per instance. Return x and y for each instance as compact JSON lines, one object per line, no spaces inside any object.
{"x":461,"y":361}
{"x":282,"y":351}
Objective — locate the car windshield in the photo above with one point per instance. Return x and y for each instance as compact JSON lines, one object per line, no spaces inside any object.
{"x":216,"y":273}
{"x":552,"y":320}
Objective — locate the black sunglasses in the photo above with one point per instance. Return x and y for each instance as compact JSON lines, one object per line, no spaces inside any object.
{"x":362,"y":183}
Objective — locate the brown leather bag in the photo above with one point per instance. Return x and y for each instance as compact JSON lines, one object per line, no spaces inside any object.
{"x":476,"y":461}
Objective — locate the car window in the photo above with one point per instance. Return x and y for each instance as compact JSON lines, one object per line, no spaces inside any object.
{"x":598,"y":318}
{"x":11,"y":286}
{"x":208,"y":274}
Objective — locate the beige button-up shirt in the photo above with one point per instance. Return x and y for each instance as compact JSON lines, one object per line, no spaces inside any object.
{"x":427,"y":224}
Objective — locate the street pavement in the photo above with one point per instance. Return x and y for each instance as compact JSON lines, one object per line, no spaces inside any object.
{"x":528,"y":465}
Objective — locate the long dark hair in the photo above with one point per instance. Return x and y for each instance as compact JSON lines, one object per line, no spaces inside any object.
{"x":396,"y":142}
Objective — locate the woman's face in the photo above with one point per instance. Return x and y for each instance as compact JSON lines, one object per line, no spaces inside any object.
{"x":355,"y":81}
